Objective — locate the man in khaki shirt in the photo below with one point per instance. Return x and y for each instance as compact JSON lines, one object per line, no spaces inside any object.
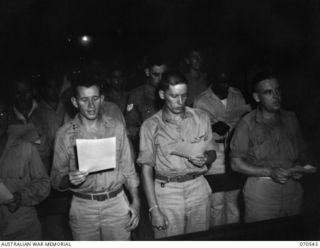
{"x":100,"y":209}
{"x":176,"y":190}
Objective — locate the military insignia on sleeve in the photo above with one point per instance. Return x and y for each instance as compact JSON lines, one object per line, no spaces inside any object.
{"x":129,"y":107}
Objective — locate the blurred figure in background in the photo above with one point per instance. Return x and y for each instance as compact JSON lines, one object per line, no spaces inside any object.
{"x":116,"y":82}
{"x":25,"y":114}
{"x":197,"y":80}
{"x":22,"y":172}
{"x":142,"y":102}
{"x":225,"y":105}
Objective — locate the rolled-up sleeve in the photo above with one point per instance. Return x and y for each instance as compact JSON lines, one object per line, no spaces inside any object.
{"x":60,"y":166}
{"x":240,"y":141}
{"x":147,"y":148}
{"x":126,"y":161}
{"x":39,"y":187}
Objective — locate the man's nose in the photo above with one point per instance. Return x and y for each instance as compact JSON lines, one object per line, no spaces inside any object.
{"x":180,"y":100}
{"x":91,"y":104}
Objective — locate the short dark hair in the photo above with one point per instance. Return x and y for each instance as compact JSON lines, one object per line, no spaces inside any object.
{"x":263,"y":75}
{"x":167,"y":77}
{"x":86,"y":77}
{"x":156,"y":58}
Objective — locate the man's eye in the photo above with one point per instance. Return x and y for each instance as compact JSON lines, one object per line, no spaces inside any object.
{"x":96,"y":98}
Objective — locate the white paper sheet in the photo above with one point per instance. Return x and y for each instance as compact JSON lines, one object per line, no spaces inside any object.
{"x":304,"y":169}
{"x":96,"y":154}
{"x":5,"y":194}
{"x":187,"y":150}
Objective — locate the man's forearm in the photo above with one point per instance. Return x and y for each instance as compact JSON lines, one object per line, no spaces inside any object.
{"x":242,"y":166}
{"x":148,"y":185}
{"x":134,"y":195}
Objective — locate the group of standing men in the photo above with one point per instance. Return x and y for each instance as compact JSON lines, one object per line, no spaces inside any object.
{"x":265,"y":145}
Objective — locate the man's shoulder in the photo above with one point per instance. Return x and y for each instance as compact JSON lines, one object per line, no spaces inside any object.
{"x":137,"y":91}
{"x":249,"y":118}
{"x":235,"y":90}
{"x":204,"y":95}
{"x":111,"y":121}
{"x":153,"y":120}
{"x":201,"y":114}
{"x":71,"y":126}
{"x":289,"y":117}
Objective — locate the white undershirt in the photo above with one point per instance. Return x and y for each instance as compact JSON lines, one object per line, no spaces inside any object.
{"x":224,"y":102}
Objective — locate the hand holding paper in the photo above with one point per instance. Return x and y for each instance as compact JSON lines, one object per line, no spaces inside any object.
{"x":191,"y":150}
{"x":77,"y":177}
{"x":303,"y":169}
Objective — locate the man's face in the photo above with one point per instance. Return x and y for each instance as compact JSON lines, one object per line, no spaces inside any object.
{"x":117,"y":79}
{"x":154,"y":74}
{"x":3,"y":119}
{"x":53,"y":89}
{"x":22,"y":95}
{"x":268,"y":95}
{"x":88,"y":101}
{"x":175,"y":98}
{"x":195,"y":60}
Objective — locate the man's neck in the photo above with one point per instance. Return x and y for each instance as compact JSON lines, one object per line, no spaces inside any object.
{"x":194,"y":73}
{"x":173,"y":117}
{"x":267,"y":115}
{"x":91,"y":125}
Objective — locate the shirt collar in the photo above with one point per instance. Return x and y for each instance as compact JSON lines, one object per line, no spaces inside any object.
{"x":166,"y":119}
{"x":107,"y":121}
{"x":20,"y":116}
{"x":259,"y":117}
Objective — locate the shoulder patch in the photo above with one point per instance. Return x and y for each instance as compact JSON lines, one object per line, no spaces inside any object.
{"x":129,"y":107}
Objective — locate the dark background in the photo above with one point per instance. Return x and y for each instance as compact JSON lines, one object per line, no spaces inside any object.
{"x":240,"y":35}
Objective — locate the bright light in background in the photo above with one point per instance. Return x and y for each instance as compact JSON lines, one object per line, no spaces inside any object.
{"x":85,"y":40}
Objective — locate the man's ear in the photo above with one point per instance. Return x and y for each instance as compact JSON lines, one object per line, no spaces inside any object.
{"x":147,"y":72}
{"x":102,"y":97}
{"x":74,"y":102}
{"x":161,"y":94}
{"x":256,"y":97}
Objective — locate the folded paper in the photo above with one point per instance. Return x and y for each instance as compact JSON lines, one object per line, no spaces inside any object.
{"x":187,"y":150}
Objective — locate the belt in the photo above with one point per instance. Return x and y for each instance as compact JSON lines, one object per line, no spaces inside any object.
{"x":179,"y":179}
{"x":98,"y":197}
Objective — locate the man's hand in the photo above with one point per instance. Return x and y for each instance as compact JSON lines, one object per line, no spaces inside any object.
{"x":77,"y":177}
{"x":15,"y":204}
{"x":158,"y":219}
{"x":134,"y":210}
{"x":199,"y":161}
{"x":280,"y":175}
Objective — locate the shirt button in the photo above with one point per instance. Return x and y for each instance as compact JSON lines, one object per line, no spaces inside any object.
{"x":182,"y":140}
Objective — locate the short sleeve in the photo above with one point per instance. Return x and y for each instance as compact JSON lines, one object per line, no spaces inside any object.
{"x":147,"y":147}
{"x":240,"y":140}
